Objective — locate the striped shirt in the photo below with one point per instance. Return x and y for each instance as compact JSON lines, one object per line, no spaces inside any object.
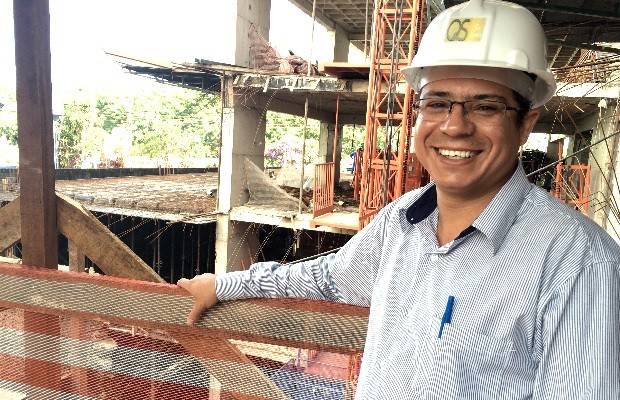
{"x":536,"y":309}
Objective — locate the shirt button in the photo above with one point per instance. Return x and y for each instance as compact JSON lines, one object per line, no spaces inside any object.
{"x":434,"y":257}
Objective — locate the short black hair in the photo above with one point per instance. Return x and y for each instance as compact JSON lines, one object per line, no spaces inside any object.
{"x":523,"y":105}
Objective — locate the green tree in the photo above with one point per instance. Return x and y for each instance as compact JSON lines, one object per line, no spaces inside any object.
{"x":71,"y":126}
{"x":186,"y":125}
{"x":10,"y":133}
{"x":112,"y":111}
{"x":8,"y":116}
{"x":162,"y":124}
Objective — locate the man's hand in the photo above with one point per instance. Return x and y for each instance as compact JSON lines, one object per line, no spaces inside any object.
{"x":202,"y":287}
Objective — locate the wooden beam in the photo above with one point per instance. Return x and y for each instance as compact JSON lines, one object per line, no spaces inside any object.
{"x":10,"y":225}
{"x":100,"y":245}
{"x":87,"y":233}
{"x":90,"y":236}
{"x":35,"y":137}
{"x":243,"y":382}
{"x":39,"y":236}
{"x":77,"y":258}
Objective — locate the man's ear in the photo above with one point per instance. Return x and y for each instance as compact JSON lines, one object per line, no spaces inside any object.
{"x":529,"y":120}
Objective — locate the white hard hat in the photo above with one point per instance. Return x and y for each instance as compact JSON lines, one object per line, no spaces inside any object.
{"x":502,"y":37}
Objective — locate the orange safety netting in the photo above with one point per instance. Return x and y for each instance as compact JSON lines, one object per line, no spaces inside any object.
{"x":78,"y":336}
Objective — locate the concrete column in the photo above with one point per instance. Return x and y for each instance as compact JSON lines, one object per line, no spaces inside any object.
{"x":243,"y":135}
{"x":603,"y":182}
{"x":326,"y":147}
{"x":341,"y":44}
{"x":250,"y":12}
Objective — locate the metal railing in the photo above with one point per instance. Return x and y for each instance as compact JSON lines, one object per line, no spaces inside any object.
{"x":323,"y":195}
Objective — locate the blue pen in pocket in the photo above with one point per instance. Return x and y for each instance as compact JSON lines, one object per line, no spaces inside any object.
{"x":447,"y":315}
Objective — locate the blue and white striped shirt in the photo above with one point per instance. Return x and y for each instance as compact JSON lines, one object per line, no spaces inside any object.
{"x":536,"y":312}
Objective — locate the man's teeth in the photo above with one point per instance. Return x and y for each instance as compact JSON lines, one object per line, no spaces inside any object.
{"x":456,"y":154}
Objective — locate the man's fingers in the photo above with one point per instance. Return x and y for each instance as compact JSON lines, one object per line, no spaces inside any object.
{"x":184,"y":283}
{"x":193,"y":316}
{"x":202,"y":288}
{"x":197,"y":308}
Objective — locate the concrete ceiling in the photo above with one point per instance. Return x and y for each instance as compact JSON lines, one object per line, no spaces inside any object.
{"x":570,"y":25}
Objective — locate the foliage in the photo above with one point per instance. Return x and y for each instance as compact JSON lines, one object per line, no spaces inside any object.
{"x":284,"y":139}
{"x":9,"y":133}
{"x":72,"y":127}
{"x":352,"y":139}
{"x":166,"y":126}
{"x":171,"y":126}
{"x":279,"y":125}
{"x":8,"y":117}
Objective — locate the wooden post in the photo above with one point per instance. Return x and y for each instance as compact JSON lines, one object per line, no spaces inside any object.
{"x":36,"y":141}
{"x":36,"y":167}
{"x":77,"y":259}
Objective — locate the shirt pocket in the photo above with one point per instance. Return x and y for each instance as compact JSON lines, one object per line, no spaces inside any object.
{"x":462,"y":364}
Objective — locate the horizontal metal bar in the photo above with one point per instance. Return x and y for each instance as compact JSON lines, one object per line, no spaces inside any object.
{"x":588,"y":12}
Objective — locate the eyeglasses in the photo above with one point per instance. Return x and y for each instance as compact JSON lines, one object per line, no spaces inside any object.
{"x":487,"y":112}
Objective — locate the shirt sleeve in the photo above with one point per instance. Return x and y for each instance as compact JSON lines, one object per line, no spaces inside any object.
{"x":580,"y":343}
{"x":347,"y":276}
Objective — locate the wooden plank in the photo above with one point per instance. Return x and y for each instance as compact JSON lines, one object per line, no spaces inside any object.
{"x":345,"y":70}
{"x":243,"y":380}
{"x":77,"y":259}
{"x":87,"y":233}
{"x":39,"y":237}
{"x":99,"y":244}
{"x":35,"y":137}
{"x":10,"y":225}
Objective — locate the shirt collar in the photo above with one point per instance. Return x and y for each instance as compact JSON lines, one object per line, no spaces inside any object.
{"x":494,"y":221}
{"x":425,"y":205}
{"x":498,"y":217}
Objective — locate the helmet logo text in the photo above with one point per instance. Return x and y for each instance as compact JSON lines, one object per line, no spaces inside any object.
{"x":465,"y":30}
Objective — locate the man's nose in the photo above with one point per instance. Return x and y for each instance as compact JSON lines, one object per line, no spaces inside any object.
{"x":456,"y":123}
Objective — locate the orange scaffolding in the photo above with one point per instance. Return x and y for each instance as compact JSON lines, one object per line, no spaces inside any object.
{"x":396,"y":34}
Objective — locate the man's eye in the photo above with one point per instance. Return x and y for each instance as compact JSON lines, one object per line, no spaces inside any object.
{"x":486,"y":107}
{"x":437,"y":105}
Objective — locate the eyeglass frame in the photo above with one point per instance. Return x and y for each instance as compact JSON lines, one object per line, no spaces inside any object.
{"x":463,"y":103}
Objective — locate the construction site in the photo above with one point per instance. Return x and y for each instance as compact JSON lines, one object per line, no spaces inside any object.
{"x":119,"y":331}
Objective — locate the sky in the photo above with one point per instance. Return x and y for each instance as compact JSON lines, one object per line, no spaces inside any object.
{"x":180,"y":31}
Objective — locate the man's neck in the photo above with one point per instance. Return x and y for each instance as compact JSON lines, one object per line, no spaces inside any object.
{"x":457,"y":213}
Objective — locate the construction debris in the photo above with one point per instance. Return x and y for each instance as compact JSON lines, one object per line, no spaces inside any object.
{"x":265,"y":57}
{"x":264,"y":192}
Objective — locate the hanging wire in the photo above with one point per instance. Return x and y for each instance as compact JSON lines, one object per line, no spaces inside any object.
{"x":374,"y":91}
{"x":305,"y":133}
{"x":303,"y":154}
{"x":366,"y":32}
{"x":389,"y":128}
{"x":573,"y":154}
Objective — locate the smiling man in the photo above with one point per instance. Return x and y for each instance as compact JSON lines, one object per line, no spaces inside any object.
{"x":480,"y":285}
{"x":468,"y":145}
